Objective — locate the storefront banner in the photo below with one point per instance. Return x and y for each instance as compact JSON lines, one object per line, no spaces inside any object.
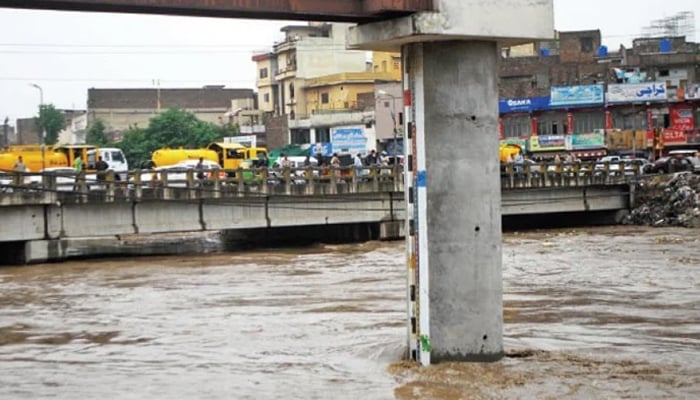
{"x":520,"y":142}
{"x":637,"y":92}
{"x":350,"y":140}
{"x":547,"y":143}
{"x":585,"y":141}
{"x":692,"y":91}
{"x":682,"y":118}
{"x":577,"y":95}
{"x":523,"y":105}
{"x":673,"y":136}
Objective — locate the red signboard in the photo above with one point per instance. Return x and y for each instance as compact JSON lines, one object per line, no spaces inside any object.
{"x":534,"y":125}
{"x":682,"y":117}
{"x":500,"y":129}
{"x":608,"y":120}
{"x":569,"y":123}
{"x":674,"y":136}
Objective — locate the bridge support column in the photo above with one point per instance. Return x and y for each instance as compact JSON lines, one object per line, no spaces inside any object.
{"x":455,"y":247}
{"x":453,"y":181}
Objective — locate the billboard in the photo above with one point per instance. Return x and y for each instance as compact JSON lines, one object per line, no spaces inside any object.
{"x":547,"y":143}
{"x":523,"y":105}
{"x":585,"y":141}
{"x":349,"y":140}
{"x":577,"y":95}
{"x":637,"y":92}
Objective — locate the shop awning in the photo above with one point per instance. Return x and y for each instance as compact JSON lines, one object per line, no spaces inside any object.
{"x":589,"y":153}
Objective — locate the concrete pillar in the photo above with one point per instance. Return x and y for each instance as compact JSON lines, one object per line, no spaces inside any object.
{"x":453,"y":114}
{"x":453,"y":180}
{"x":455,"y":218}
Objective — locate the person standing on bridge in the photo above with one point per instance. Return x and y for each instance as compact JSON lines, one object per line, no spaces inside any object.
{"x":200,"y":169}
{"x":20,"y":169}
{"x":101,"y":166}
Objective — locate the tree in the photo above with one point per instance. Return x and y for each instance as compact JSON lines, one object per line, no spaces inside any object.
{"x":135,"y":147}
{"x":179,"y":128}
{"x":173,"y":128}
{"x":96,"y":134}
{"x":51,"y":121}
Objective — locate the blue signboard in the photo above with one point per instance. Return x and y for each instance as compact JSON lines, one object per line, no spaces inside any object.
{"x":523,"y":105}
{"x":577,"y":95}
{"x":324,"y":148}
{"x":349,"y":140}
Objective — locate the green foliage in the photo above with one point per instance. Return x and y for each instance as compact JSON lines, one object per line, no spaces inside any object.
{"x":96,"y":134}
{"x":50,"y":120}
{"x":135,"y":147}
{"x":179,"y":128}
{"x":173,"y":128}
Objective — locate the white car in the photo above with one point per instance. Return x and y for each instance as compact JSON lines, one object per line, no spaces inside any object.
{"x":177,"y":173}
{"x":65,"y":178}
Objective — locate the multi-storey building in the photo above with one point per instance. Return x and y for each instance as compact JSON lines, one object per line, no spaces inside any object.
{"x":322,"y":91}
{"x":573,"y":94}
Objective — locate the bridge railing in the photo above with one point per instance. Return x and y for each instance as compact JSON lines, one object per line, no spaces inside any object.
{"x":570,"y":174}
{"x":187,"y":184}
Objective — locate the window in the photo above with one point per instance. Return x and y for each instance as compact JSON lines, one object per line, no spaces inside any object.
{"x":291,"y":90}
{"x":266,"y":97}
{"x":586,"y":44}
{"x":263,"y":73}
{"x":664,"y":72}
{"x":323,"y":134}
{"x":300,"y":136}
{"x":325,"y":98}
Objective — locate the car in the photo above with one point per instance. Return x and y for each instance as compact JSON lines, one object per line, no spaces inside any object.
{"x":65,"y":177}
{"x":671,"y":164}
{"x":177,"y":173}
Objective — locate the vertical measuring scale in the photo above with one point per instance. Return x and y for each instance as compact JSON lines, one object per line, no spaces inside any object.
{"x":415,"y":176}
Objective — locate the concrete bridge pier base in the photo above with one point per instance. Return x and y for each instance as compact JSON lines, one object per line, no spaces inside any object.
{"x":456,"y":215}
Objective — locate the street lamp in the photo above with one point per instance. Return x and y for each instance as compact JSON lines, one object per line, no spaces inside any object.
{"x":43,"y":129}
{"x":380,"y":93}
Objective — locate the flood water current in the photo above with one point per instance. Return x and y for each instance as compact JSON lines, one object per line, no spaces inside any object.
{"x":610,"y":312}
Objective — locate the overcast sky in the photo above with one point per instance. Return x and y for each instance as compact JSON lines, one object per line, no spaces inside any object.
{"x":66,"y":52}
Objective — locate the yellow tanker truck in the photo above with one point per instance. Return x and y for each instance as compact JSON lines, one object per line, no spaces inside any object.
{"x":36,"y":159}
{"x":229,"y":156}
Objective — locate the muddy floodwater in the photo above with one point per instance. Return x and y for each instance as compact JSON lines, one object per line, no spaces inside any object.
{"x":589,"y":313}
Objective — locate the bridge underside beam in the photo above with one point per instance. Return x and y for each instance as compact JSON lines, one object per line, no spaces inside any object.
{"x":336,"y":10}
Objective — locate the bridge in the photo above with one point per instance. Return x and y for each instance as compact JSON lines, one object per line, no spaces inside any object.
{"x":450,"y":51}
{"x":43,"y":217}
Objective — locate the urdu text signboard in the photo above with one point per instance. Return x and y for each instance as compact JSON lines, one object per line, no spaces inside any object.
{"x":637,"y":92}
{"x":349,"y":140}
{"x":577,"y":95}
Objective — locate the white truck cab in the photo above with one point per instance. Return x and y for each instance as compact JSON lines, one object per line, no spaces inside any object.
{"x":114,"y":157}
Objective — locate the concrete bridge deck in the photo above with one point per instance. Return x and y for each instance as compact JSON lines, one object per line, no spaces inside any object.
{"x":56,"y":210}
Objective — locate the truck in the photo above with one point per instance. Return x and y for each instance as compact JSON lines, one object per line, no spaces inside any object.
{"x":230,"y":156}
{"x":36,"y":158}
{"x":115,"y":159}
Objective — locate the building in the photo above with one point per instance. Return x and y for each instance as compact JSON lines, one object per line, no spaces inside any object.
{"x":311,"y":88}
{"x":123,"y":109}
{"x":633,"y":98}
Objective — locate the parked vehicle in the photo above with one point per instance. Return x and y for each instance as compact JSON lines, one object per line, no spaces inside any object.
{"x":665,"y":165}
{"x":65,"y":178}
{"x":177,"y":173}
{"x":115,"y":159}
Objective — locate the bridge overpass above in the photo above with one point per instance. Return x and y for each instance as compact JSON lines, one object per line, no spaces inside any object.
{"x":360,"y":11}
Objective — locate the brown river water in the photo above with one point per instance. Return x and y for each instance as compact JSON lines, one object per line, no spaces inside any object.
{"x":610,"y":312}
